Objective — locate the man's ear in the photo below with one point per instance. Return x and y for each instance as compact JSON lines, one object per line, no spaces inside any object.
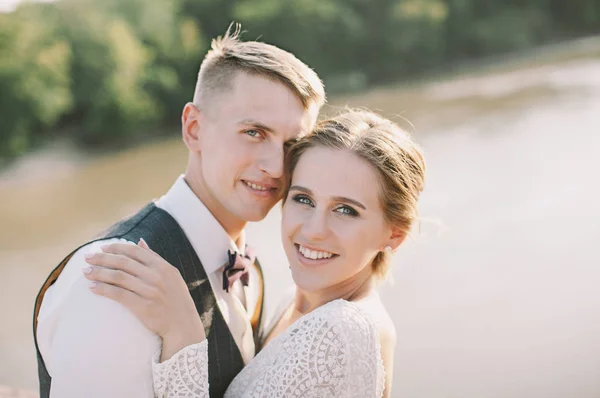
{"x":191,"y":122}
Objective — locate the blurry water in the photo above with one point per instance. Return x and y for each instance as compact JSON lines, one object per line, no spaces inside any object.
{"x":496,"y":297}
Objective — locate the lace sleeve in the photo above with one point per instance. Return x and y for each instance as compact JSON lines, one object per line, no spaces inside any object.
{"x":185,"y":374}
{"x":347,"y":357}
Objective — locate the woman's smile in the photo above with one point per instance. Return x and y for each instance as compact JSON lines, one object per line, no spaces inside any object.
{"x":308,"y":255}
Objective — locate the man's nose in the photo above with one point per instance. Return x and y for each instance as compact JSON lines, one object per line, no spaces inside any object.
{"x":272,"y":161}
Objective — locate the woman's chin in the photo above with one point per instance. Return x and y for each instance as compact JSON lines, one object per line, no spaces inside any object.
{"x":306,"y":282}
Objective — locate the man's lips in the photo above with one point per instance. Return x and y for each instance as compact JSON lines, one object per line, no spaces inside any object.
{"x":261,"y":189}
{"x":260,"y":186}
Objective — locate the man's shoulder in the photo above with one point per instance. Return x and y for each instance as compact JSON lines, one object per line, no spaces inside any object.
{"x":70,"y":274}
{"x":70,"y":292}
{"x":70,"y":314}
{"x":148,"y":214}
{"x":155,"y":225}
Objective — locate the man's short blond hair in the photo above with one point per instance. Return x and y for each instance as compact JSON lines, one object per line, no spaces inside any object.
{"x":229,"y":56}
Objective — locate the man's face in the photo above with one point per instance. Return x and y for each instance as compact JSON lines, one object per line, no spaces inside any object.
{"x":240,"y":148}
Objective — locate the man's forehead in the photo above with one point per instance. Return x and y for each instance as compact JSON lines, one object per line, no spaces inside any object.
{"x":301,"y":123}
{"x":289,"y":121}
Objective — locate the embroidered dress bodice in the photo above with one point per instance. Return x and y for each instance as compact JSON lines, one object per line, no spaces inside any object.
{"x":333,"y":351}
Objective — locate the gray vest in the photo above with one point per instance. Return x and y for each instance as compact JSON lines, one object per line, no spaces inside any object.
{"x":165,"y":236}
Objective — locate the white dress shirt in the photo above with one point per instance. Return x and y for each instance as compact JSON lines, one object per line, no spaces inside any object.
{"x":94,"y":347}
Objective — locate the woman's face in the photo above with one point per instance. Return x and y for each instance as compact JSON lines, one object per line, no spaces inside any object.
{"x":332,"y":224}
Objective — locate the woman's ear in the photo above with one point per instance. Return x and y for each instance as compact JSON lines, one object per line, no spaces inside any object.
{"x":190,"y":126}
{"x":397,"y":236}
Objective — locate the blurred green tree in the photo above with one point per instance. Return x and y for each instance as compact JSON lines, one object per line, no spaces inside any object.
{"x":107,"y":72}
{"x":34,"y":76}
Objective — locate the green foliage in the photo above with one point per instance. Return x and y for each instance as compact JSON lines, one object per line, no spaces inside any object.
{"x":109,"y":71}
{"x":34,"y":78}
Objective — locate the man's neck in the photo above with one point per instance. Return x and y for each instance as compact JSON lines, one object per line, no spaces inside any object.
{"x":231,"y":224}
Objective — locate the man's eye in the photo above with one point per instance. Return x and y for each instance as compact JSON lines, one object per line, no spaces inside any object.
{"x":302,"y":200}
{"x":347,"y":211}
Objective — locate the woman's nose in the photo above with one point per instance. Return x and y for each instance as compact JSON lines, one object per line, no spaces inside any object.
{"x":315,"y":226}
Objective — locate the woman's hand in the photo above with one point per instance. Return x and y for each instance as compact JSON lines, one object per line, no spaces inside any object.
{"x":151,"y":288}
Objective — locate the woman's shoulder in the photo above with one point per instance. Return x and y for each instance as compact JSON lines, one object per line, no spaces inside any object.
{"x":374,"y":308}
{"x":365,"y":318}
{"x":353,"y":330}
{"x":366,"y":322}
{"x":369,"y":312}
{"x":387,"y":339}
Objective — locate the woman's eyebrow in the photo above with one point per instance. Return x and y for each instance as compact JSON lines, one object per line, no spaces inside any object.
{"x":301,"y":189}
{"x":335,"y":198}
{"x":348,"y":200}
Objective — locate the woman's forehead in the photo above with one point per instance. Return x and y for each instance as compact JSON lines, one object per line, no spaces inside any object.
{"x":332,"y":172}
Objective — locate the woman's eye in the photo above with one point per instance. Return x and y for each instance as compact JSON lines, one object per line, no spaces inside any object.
{"x":346,"y":210}
{"x":253,"y":133}
{"x":302,"y":200}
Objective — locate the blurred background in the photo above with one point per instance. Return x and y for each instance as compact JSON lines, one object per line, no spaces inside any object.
{"x":495,"y":297}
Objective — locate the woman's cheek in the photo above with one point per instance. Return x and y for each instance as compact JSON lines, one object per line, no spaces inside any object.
{"x":345,"y":232}
{"x":290,"y":219}
{"x":355,"y":238}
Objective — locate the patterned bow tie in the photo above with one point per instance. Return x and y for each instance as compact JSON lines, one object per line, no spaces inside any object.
{"x":238,"y":267}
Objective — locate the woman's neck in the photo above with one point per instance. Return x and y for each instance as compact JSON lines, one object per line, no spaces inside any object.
{"x":359,"y":286}
{"x":352,"y":289}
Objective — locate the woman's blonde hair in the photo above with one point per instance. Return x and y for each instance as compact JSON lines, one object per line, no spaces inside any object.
{"x":391,"y":151}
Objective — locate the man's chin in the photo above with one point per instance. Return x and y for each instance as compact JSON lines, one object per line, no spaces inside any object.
{"x":250,"y":213}
{"x":255,"y":216}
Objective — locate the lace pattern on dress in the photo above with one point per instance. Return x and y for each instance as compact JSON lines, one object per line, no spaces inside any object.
{"x":333,"y":351}
{"x":185,"y":374}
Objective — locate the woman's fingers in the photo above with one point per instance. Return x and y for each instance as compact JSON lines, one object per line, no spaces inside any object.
{"x":118,"y":278}
{"x":119,"y":262}
{"x":140,"y":253}
{"x":148,"y":285}
{"x":134,"y":252}
{"x":142,"y":243}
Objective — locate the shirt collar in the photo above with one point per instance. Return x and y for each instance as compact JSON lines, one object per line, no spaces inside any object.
{"x":205,"y":233}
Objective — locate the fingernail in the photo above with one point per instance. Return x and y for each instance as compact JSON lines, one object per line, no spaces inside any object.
{"x":88,"y":255}
{"x":103,"y":248}
{"x":87,"y":270}
{"x":93,"y":285}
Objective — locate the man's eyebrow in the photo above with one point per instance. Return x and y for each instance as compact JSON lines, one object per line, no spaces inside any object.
{"x":336,"y":198}
{"x":257,"y":124}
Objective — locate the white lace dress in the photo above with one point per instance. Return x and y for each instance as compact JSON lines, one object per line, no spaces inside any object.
{"x":334,"y":351}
